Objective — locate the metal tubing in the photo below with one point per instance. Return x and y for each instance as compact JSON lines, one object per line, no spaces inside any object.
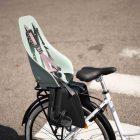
{"x":112,"y":108}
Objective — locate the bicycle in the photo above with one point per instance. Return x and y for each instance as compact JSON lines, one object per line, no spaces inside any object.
{"x":52,"y":114}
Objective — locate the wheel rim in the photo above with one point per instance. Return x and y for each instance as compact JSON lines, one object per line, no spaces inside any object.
{"x":40,"y":130}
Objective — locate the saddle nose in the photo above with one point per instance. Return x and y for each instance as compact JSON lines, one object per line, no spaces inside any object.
{"x":88,"y":74}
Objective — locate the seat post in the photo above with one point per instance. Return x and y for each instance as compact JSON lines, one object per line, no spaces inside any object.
{"x":103,"y":85}
{"x":111,"y":106}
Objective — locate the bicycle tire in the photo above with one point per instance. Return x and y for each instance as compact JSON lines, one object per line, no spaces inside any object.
{"x":101,"y":121}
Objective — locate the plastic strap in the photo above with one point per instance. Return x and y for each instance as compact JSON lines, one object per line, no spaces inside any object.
{"x":72,"y":93}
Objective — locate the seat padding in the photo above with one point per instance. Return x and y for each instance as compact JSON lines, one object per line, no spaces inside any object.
{"x":88,"y":74}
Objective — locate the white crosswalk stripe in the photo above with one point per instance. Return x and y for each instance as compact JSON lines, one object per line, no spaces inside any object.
{"x":132,"y":53}
{"x":120,"y":83}
{"x":132,"y":131}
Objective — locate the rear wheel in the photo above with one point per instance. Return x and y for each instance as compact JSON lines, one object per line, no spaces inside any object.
{"x":38,"y":128}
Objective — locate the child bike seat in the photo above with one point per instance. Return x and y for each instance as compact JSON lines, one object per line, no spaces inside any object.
{"x":47,"y":64}
{"x":88,"y":74}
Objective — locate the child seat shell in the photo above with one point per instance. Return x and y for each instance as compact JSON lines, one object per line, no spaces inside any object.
{"x":41,"y":73}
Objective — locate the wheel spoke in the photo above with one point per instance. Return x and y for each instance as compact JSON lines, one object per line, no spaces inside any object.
{"x":42,"y":117}
{"x":42,"y":130}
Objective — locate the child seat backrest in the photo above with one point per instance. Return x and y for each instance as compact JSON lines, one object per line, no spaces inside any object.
{"x":43,"y":57}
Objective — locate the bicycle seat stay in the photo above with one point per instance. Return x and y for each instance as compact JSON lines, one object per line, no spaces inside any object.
{"x":88,"y":74}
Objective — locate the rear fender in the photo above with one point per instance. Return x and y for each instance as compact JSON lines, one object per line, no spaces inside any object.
{"x":31,"y":108}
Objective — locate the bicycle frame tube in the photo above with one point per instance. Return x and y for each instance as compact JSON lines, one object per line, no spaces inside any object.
{"x":112,"y":108}
{"x":115,"y":116}
{"x":107,"y":101}
{"x":76,"y":129}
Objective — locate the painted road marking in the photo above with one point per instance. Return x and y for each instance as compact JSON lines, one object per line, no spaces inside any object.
{"x":134,"y":131}
{"x":120,"y":83}
{"x":131,"y":130}
{"x":132,"y":53}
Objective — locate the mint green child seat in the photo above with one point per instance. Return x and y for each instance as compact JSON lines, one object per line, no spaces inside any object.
{"x":43,"y":62}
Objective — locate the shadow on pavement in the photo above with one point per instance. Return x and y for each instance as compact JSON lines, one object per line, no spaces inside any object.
{"x":7,"y":133}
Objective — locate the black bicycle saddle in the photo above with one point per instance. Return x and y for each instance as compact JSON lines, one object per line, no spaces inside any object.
{"x":88,"y":74}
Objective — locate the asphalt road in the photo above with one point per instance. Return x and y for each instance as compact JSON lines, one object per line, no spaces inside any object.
{"x":91,"y":32}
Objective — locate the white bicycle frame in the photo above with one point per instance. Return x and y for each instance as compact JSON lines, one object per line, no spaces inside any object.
{"x":107,"y":102}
